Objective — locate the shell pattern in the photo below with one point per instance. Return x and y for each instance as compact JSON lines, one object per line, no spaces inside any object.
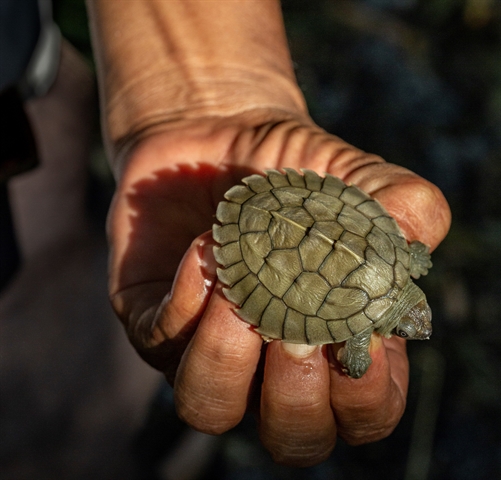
{"x":308,"y":259}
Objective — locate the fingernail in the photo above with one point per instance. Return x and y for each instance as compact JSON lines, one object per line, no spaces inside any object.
{"x":207,"y":260}
{"x":299,"y":350}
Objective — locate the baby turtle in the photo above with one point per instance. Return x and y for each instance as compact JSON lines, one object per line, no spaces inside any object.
{"x":312,"y":260}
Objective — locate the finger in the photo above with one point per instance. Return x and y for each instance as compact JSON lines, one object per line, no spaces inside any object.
{"x":418,"y":206}
{"x":214,"y":379}
{"x":297,"y":424}
{"x":160,"y":320}
{"x":369,"y":408}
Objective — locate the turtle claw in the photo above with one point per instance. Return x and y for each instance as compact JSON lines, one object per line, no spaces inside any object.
{"x":420,"y":259}
{"x":354,"y":356}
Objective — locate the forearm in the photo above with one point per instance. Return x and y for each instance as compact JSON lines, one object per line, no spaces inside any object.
{"x":166,"y":60}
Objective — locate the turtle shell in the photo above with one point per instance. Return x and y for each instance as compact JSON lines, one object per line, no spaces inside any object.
{"x":308,"y":259}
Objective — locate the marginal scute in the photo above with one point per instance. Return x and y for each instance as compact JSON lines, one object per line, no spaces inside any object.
{"x":253,"y":308}
{"x":277,"y":179}
{"x":239,"y":292}
{"x":226,"y":233}
{"x":354,"y":196}
{"x":294,"y":327}
{"x":403,"y":257}
{"x":312,"y":179}
{"x":238,"y":194}
{"x":317,"y":332}
{"x":333,"y":186}
{"x":401,"y":275}
{"x":295,"y":178}
{"x":228,"y":255}
{"x":371,"y":209}
{"x":233,"y":274}
{"x":272,"y":320}
{"x":388,"y":225}
{"x":258,"y":183}
{"x":228,"y":212}
{"x":339,"y":330}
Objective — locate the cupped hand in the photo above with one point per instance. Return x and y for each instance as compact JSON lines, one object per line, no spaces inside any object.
{"x":163,"y":284}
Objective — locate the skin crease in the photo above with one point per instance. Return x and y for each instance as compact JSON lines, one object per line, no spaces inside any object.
{"x":177,"y":142}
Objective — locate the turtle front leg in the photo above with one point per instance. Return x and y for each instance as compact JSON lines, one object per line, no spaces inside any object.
{"x":354,"y":356}
{"x":420,"y":259}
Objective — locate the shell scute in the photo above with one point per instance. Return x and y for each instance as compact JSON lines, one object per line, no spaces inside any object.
{"x":272,"y":320}
{"x":358,"y":323}
{"x":294,"y":327}
{"x":280,"y":269}
{"x":333,"y":186}
{"x":312,"y":180}
{"x":382,"y":244}
{"x":238,"y":194}
{"x":317,"y":331}
{"x":338,"y":264}
{"x":255,"y":304}
{"x":313,"y":250}
{"x":307,"y":293}
{"x":258,"y":183}
{"x":291,"y":196}
{"x":353,"y":196}
{"x":339,"y":330}
{"x":354,"y":221}
{"x":295,"y":178}
{"x":375,"y":276}
{"x":228,"y":212}
{"x":371,"y":209}
{"x":255,"y":246}
{"x":341,"y":303}
{"x":233,"y":274}
{"x":277,"y":179}
{"x":254,"y":219}
{"x":285,"y":233}
{"x":239,"y":292}
{"x":226,"y":233}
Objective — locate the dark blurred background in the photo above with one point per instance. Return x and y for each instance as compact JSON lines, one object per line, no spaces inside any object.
{"x":419,"y":83}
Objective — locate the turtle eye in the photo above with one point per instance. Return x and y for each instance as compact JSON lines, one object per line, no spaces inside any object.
{"x":406,"y":329}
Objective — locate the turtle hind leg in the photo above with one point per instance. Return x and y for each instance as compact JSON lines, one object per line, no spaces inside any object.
{"x":420,"y":259}
{"x":354,"y":356}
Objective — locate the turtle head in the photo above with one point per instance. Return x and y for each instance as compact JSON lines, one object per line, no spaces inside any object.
{"x":416,"y":323}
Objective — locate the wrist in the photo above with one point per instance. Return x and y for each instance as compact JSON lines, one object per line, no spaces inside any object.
{"x":160,"y":100}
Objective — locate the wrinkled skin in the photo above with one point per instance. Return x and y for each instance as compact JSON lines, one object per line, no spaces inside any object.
{"x":164,"y":289}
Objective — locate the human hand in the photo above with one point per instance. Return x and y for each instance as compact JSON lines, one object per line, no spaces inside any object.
{"x":163,"y":284}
